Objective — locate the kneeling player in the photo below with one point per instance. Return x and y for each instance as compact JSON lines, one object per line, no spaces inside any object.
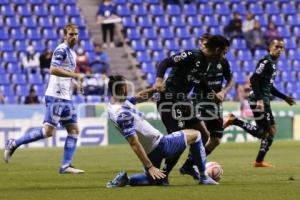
{"x":148,"y":143}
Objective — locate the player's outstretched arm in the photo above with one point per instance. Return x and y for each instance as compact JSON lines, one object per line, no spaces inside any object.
{"x":64,"y":73}
{"x":144,"y":95}
{"x":139,"y":150}
{"x":290,"y":100}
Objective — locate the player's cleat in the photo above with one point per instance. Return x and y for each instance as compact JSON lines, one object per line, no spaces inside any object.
{"x":70,"y":170}
{"x":206,"y":180}
{"x":187,"y":169}
{"x":262,"y":164}
{"x":119,"y":181}
{"x":229,"y":120}
{"x":10,"y":148}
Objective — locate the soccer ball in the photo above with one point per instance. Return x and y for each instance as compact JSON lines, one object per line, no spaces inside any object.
{"x":214,"y":170}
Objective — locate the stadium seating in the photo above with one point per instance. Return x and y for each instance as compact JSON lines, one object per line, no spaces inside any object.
{"x":36,"y":22}
{"x":163,"y":30}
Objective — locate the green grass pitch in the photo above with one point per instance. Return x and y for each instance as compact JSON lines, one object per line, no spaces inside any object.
{"x":33,"y":174}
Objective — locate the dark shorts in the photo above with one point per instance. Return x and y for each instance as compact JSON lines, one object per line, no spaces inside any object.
{"x":213,"y":119}
{"x":263,"y":119}
{"x":59,"y":111}
{"x":176,"y":115}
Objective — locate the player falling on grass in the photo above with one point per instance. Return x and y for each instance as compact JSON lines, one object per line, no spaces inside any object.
{"x":150,"y":146}
{"x":210,"y":110}
{"x":259,"y":100}
{"x":188,"y":70}
{"x":59,"y":106}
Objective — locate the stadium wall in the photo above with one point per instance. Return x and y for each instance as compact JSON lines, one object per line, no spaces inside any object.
{"x":15,"y":120}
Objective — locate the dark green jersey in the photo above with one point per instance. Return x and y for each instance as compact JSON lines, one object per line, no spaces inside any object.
{"x":187,"y":69}
{"x":264,"y":74}
{"x":214,"y":76}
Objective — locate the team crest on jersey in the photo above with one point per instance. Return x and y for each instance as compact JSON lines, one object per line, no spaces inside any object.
{"x":219,"y":66}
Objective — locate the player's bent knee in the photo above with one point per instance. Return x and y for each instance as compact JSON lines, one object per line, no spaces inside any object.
{"x":192,"y":136}
{"x":49,"y":131}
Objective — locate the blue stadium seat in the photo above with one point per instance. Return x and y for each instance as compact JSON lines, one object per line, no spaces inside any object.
{"x":182,"y":33}
{"x":128,"y":22}
{"x":11,"y":100}
{"x":12,"y":22}
{"x":189,"y":10}
{"x":166,"y":33}
{"x":3,"y":34}
{"x":171,"y":45}
{"x":248,"y":66}
{"x":2,"y":70}
{"x":263,"y":20}
{"x":77,"y":20}
{"x":211,"y":21}
{"x":293,"y":21}
{"x":256,"y":9}
{"x":284,"y":31}
{"x":49,"y":34}
{"x":19,"y":2}
{"x":138,"y":45}
{"x":45,"y":22}
{"x":78,"y":99}
{"x":205,"y":9}
{"x":70,"y":2}
{"x":56,"y":10}
{"x":199,"y":31}
{"x":282,"y":65}
{"x":178,"y":21}
{"x":239,"y":44}
{"x":144,"y":22}
{"x":188,"y":44}
{"x":150,"y":33}
{"x":7,"y":90}
{"x":224,"y":20}
{"x":272,"y":8}
{"x":217,"y":30}
{"x":117,"y":2}
{"x":40,"y":89}
{"x":36,"y":2}
{"x":123,"y":10}
{"x":7,"y":10}
{"x":24,"y":11}
{"x":22,"y":90}
{"x":148,"y":68}
{"x":222,"y":9}
{"x":150,"y":79}
{"x":19,"y":79}
{"x":139,"y":10}
{"x":173,"y":10}
{"x":292,"y":54}
{"x":33,"y":34}
{"x":87,"y":45}
{"x":4,"y":79}
{"x":133,"y":34}
{"x":244,"y":55}
{"x":72,"y":10}
{"x":296,"y":66}
{"x":156,"y":10}
{"x":9,"y":57}
{"x":194,"y":21}
{"x":143,"y":56}
{"x":288,"y":8}
{"x":154,"y":45}
{"x":29,"y":22}
{"x":290,"y":43}
{"x":161,"y":22}
{"x":260,"y":53}
{"x":153,"y":1}
{"x":239,"y":7}
{"x":13,"y":68}
{"x":158,"y":56}
{"x":60,"y":22}
{"x":35,"y":79}
{"x":39,"y":45}
{"x":277,"y":19}
{"x":6,"y":46}
{"x":135,"y":1}
{"x":40,"y":10}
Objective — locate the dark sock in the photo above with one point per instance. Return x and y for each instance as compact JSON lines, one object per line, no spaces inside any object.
{"x":169,"y":164}
{"x":189,"y":161}
{"x":264,"y":148}
{"x":252,"y":129}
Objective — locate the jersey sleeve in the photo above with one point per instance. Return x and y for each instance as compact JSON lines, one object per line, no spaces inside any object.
{"x":181,"y":59}
{"x":264,"y":68}
{"x":132,"y":100}
{"x":59,"y":55}
{"x":125,"y":122}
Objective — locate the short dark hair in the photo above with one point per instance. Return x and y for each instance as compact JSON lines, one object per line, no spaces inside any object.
{"x":217,"y":41}
{"x":270,"y":42}
{"x":69,"y":26}
{"x":114,"y":86}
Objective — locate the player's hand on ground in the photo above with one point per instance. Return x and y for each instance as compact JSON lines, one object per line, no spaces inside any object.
{"x":156,"y":173}
{"x":290,"y":100}
{"x":260,"y":105}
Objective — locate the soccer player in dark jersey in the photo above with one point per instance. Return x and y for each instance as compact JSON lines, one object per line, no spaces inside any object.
{"x":259,"y":100}
{"x":211,"y":111}
{"x":188,"y":69}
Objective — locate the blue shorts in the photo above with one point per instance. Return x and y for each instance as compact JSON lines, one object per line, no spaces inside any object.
{"x":171,"y":145}
{"x":59,"y":111}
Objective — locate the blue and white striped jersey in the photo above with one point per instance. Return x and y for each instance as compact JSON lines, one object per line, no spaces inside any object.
{"x":61,"y":87}
{"x":130,"y":121}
